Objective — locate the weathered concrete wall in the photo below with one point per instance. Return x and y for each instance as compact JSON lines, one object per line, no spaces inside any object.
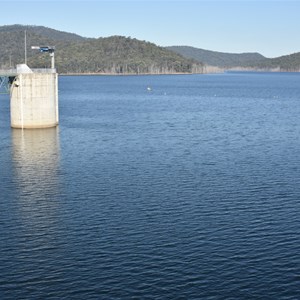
{"x":34,"y":100}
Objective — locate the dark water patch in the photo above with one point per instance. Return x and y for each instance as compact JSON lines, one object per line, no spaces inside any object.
{"x":187,"y":191}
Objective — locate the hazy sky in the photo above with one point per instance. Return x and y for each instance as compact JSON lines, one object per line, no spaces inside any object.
{"x":270,"y":27}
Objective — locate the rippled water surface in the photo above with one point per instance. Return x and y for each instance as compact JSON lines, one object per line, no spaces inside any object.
{"x":187,"y":190}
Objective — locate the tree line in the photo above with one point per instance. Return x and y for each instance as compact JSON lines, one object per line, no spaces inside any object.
{"x":74,"y":54}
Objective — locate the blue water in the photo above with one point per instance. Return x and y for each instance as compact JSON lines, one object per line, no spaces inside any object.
{"x":190,"y":190}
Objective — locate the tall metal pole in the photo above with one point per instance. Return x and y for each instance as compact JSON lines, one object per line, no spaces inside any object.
{"x":25,"y":42}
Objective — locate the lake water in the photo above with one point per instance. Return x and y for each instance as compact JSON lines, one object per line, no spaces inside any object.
{"x":155,"y":187}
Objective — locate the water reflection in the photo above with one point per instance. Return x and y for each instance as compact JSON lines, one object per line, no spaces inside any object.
{"x":36,"y":162}
{"x":36,"y":205}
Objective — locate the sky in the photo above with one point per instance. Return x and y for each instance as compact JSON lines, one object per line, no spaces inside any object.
{"x":270,"y":27}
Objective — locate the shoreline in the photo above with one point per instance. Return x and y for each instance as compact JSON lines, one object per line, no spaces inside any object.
{"x":124,"y":74}
{"x":209,"y":70}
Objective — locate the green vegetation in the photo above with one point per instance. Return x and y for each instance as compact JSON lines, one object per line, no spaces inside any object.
{"x":252,"y":61}
{"x":288,"y":63}
{"x":219,"y":59}
{"x":124,"y":55}
{"x":75,"y":54}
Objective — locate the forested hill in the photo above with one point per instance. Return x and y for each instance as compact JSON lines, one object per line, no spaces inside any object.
{"x":288,"y":63}
{"x":220,"y":59}
{"x":42,"y":32}
{"x":124,"y":55}
{"x":76,"y":54}
{"x":253,"y":61}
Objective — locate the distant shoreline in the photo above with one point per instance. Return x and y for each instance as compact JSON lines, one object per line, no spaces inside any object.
{"x":162,"y":74}
{"x":124,"y":74}
{"x":207,"y":70}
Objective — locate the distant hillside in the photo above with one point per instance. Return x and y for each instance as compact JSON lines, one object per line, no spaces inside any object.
{"x":250,"y":61}
{"x":124,"y":55}
{"x":219,"y":59}
{"x":43,"y":32}
{"x":120,"y":55}
{"x":289,"y":63}
{"x":75,"y":54}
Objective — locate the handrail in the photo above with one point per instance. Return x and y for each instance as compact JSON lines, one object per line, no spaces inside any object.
{"x":8,"y":72}
{"x":43,"y":70}
{"x":14,"y":72}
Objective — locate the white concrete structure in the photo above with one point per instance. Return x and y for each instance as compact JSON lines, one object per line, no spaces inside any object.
{"x":23,"y":69}
{"x":34,"y":98}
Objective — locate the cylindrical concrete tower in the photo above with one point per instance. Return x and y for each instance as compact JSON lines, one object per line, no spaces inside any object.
{"x":34,"y":98}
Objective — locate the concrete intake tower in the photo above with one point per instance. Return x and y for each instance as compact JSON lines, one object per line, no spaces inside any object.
{"x":33,"y":98}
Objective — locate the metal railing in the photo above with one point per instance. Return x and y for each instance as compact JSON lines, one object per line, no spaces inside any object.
{"x":44,"y":70}
{"x":14,"y":72}
{"x":8,"y":72}
{"x":4,"y":85}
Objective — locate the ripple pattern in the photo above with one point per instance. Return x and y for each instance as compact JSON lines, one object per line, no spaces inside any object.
{"x":190,"y":191}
